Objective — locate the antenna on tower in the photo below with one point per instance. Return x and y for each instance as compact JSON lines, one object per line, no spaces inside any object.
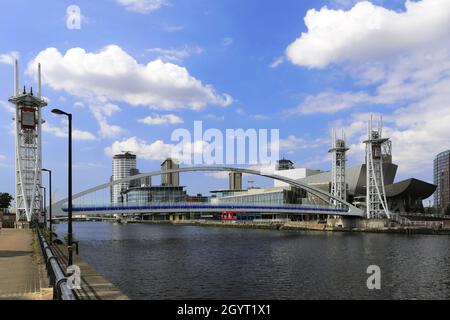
{"x":39,"y":92}
{"x":16,"y":78}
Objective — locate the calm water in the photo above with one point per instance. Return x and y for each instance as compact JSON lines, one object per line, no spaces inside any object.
{"x":168,"y":262}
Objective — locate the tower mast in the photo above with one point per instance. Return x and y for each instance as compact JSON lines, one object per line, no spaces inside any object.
{"x":376,"y":145}
{"x":28,"y":136}
{"x":338,"y":151}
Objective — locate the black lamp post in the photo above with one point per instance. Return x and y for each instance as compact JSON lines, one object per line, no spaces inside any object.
{"x":50,"y":203}
{"x":45,"y":202}
{"x":69,"y":209}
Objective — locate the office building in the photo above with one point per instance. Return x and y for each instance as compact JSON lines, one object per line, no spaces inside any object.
{"x":235,"y":181}
{"x":123,"y":165}
{"x":442,"y":180}
{"x":170,"y":179}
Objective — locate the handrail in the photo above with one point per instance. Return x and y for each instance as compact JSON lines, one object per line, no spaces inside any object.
{"x":58,"y":280}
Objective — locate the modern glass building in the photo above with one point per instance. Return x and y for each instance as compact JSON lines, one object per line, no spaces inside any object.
{"x":442,"y":180}
{"x":272,"y":196}
{"x":166,"y":194}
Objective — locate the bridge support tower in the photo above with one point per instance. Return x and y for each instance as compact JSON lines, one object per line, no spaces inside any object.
{"x":28,"y":138}
{"x":338,"y":184}
{"x":377,"y":150}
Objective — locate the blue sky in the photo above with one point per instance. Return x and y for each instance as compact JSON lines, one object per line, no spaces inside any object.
{"x":247,"y":64}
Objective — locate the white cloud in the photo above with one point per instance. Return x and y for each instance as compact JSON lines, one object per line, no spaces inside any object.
{"x":142,"y":6}
{"x":277,"y":62}
{"x":157,"y":150}
{"x":61,"y":132}
{"x":161,"y":119}
{"x":9,"y":58}
{"x":102,"y":110}
{"x":406,"y":77}
{"x":115,"y":75}
{"x":292,"y":144}
{"x":175,"y":55}
{"x":330,"y":102}
{"x":2,"y":157}
{"x":367,"y":31}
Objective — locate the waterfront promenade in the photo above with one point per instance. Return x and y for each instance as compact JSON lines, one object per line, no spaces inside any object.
{"x":22,"y":272}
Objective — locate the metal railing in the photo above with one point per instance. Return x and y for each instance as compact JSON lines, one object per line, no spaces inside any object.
{"x":58,"y":279}
{"x":222,"y":206}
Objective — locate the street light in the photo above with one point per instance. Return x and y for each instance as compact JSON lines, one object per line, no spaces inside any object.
{"x":50,"y":202}
{"x":45,"y":202}
{"x":69,"y":209}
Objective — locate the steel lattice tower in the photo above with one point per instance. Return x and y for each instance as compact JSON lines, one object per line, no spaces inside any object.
{"x":338,"y":151}
{"x":377,"y":149}
{"x":28,"y":135}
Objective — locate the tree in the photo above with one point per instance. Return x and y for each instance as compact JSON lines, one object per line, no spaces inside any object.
{"x":5,"y":200}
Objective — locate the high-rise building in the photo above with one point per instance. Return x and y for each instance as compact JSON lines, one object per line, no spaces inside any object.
{"x":442,"y":180}
{"x":123,"y":166}
{"x":170,"y":179}
{"x":143,"y":182}
{"x":285,"y":164}
{"x":235,"y":181}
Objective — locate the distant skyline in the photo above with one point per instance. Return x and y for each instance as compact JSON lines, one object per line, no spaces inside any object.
{"x":139,"y":69}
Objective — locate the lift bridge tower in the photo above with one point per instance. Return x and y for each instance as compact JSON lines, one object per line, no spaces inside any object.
{"x":338,"y":151}
{"x":28,"y":135}
{"x":378,"y":150}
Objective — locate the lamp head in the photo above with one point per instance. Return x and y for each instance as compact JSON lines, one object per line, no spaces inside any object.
{"x":59,"y":112}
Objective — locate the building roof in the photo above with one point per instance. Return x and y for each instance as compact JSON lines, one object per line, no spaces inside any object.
{"x":410,"y":188}
{"x":126,"y":155}
{"x":355,"y":178}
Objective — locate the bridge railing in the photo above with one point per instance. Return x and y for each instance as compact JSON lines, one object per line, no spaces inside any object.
{"x":58,"y":280}
{"x":201,"y":206}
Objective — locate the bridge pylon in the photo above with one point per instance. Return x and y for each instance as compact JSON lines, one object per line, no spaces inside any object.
{"x":338,"y":184}
{"x":377,"y":150}
{"x":28,"y":140}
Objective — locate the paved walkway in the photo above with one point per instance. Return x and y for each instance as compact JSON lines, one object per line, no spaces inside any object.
{"x":22,"y":274}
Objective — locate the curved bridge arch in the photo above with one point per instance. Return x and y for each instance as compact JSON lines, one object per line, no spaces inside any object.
{"x":352,"y":210}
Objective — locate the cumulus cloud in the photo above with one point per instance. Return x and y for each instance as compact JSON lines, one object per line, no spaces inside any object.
{"x":156,"y":120}
{"x":115,"y":75}
{"x":157,"y":150}
{"x":142,"y":6}
{"x":400,"y":62}
{"x":367,"y":31}
{"x":9,"y":58}
{"x":61,"y":132}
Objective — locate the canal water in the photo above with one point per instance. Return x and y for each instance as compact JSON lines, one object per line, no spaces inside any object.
{"x":149,"y":261}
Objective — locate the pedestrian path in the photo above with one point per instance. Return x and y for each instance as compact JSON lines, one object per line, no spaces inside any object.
{"x":22,"y":272}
